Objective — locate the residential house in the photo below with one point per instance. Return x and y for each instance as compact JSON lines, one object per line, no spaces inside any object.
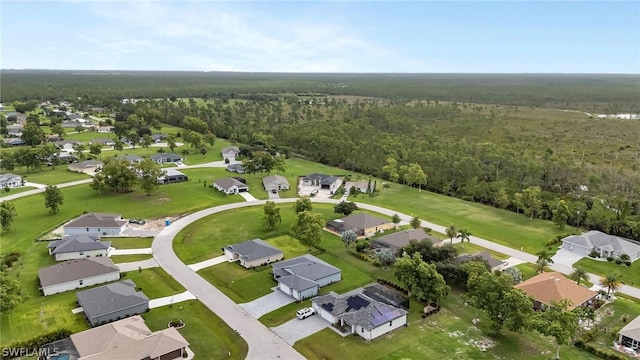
{"x":103,"y":142}
{"x":302,"y":277}
{"x":13,"y":141}
{"x":230,"y":152}
{"x":362,"y":186}
{"x":105,"y":129}
{"x":165,"y":158}
{"x":133,"y":159}
{"x":172,"y":176}
{"x":159,"y":137}
{"x":252,"y":253}
{"x":387,"y":295}
{"x":98,"y":110}
{"x":52,"y":138}
{"x":66,"y":145}
{"x":230,"y":186}
{"x":553,"y":286}
{"x":629,"y":335}
{"x":112,"y":302}
{"x":275,"y":183}
{"x":78,"y":273}
{"x":86,"y":166}
{"x":96,"y":224}
{"x":14,"y":130}
{"x":494,"y":263}
{"x":71,"y":123}
{"x":10,"y":181}
{"x":79,"y":246}
{"x":322,"y":181}
{"x":359,"y":314}
{"x":400,"y":239}
{"x":362,"y":224}
{"x":238,"y":168}
{"x":72,"y":116}
{"x":63,"y":158}
{"x":604,"y":245}
{"x":129,"y":339}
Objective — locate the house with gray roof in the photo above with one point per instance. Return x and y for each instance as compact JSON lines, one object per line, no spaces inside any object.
{"x":322,"y":181}
{"x":230,"y":186}
{"x":133,"y":159}
{"x":76,"y":274}
{"x":171,"y":176}
{"x":103,"y":142}
{"x":79,"y":246}
{"x":166,"y":158}
{"x":359,"y":314}
{"x":274,"y":183}
{"x":494,"y":264}
{"x":96,"y":224}
{"x":238,"y":168}
{"x":112,"y":302}
{"x":10,"y":181}
{"x":629,"y":335}
{"x":604,"y":244}
{"x":230,"y":152}
{"x":362,"y":224}
{"x":253,"y":253}
{"x":302,"y":277}
{"x":129,"y":339}
{"x":398,"y":240}
{"x":87,"y":166}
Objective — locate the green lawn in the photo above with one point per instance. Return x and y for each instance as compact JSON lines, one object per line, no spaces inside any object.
{"x":130,"y":243}
{"x":501,"y":226}
{"x":630,"y":274}
{"x":130,"y":258}
{"x":209,"y":175}
{"x":283,"y":314}
{"x":450,"y":334}
{"x":12,"y":191}
{"x":209,"y":337}
{"x":528,"y":270}
{"x":239,"y":284}
{"x":615,"y":316}
{"x":49,"y":176}
{"x":469,"y":248}
{"x":154,"y":282}
{"x":290,"y":246}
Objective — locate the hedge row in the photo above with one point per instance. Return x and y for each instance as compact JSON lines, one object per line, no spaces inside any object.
{"x":393,"y":285}
{"x":35,"y":343}
{"x":601,"y":353}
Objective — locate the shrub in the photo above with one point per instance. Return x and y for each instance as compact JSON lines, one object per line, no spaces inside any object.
{"x":594,"y":254}
{"x":36,"y":342}
{"x":609,"y":258}
{"x":628,"y":263}
{"x":602,"y":353}
{"x":618,"y":261}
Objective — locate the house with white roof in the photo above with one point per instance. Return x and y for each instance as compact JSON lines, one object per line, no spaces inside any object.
{"x":604,"y":245}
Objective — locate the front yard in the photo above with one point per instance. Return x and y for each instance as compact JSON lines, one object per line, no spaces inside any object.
{"x":630,"y":274}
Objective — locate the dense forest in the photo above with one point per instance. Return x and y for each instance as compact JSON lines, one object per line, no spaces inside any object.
{"x":602,"y":93}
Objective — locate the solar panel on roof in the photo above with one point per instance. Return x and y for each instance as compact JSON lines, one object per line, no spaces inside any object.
{"x":328,"y":307}
{"x":356,"y":303}
{"x":383,"y":315}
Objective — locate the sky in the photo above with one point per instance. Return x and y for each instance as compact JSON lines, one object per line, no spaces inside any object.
{"x":324,"y":36}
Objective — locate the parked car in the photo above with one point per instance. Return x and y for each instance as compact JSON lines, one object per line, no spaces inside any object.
{"x":137,"y":221}
{"x":305,"y":313}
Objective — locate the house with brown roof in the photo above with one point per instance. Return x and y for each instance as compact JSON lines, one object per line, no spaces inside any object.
{"x":96,"y":224}
{"x":129,"y":339}
{"x":78,"y":273}
{"x":362,"y":224}
{"x":553,"y":286}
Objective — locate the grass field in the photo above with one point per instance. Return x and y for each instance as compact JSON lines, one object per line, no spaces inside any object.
{"x":130,"y":243}
{"x":12,"y":191}
{"x":630,"y":274}
{"x":154,"y":282}
{"x":49,"y":176}
{"x":130,"y":258}
{"x":209,"y":337}
{"x":239,"y":284}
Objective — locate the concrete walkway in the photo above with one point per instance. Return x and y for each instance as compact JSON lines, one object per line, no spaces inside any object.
{"x":35,"y":185}
{"x":268,"y":303}
{"x":142,"y":251}
{"x":135,"y":265}
{"x":247,"y":197}
{"x":173,"y":299}
{"x":207,"y":263}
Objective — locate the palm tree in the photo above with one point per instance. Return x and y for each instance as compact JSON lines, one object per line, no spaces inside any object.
{"x":612,"y":281}
{"x":578,"y":275}
{"x":542,"y":265}
{"x":544,"y":254}
{"x":464,"y":235}
{"x":415,"y":222}
{"x":452,"y":231}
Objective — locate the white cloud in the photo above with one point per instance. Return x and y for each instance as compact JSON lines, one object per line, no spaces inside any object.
{"x":211,"y":36}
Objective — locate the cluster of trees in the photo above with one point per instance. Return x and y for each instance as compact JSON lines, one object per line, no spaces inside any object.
{"x":120,"y":176}
{"x":263,"y":162}
{"x":308,"y":225}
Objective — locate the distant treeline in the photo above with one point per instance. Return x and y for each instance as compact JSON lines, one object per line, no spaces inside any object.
{"x":602,"y":93}
{"x":542,"y":169}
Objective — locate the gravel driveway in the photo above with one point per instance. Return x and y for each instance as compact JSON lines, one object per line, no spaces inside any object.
{"x":294,"y":330}
{"x":267,"y":303}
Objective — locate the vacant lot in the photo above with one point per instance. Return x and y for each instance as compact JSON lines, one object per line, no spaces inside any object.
{"x":130,"y":243}
{"x":51,"y":176}
{"x":154,"y":282}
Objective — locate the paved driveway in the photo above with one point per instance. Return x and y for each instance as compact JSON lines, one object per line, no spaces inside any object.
{"x":267,"y":303}
{"x":247,"y":197}
{"x":566,"y":257}
{"x":274,"y":195}
{"x":294,"y":330}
